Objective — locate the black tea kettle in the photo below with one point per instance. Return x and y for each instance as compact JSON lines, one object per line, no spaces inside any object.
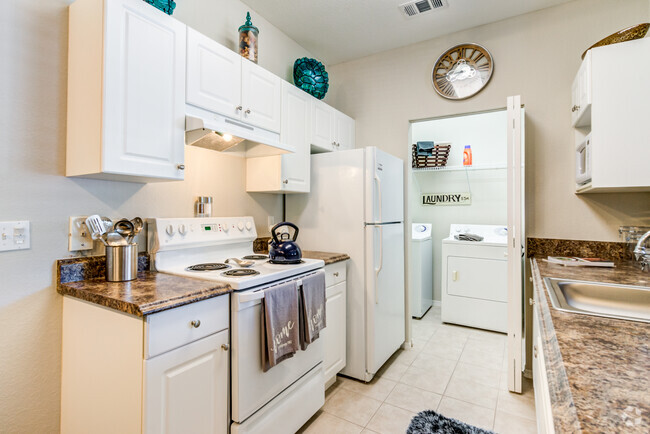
{"x":283,"y":250}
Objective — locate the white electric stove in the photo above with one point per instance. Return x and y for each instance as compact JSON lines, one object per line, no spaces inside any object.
{"x":286,"y":396}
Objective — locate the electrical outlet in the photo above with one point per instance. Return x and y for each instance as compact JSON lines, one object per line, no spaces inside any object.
{"x":14,"y":235}
{"x":78,"y":234}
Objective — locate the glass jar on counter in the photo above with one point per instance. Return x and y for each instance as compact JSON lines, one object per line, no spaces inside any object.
{"x":203,"y":206}
{"x":248,"y":39}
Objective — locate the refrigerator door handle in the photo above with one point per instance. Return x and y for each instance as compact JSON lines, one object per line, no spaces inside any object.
{"x":378,"y":194}
{"x":381,"y":261}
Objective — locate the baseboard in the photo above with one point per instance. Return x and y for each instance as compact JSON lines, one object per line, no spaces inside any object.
{"x":437,"y":303}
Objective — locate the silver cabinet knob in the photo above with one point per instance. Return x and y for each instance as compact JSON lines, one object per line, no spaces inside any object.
{"x":196,"y":323}
{"x":238,"y":108}
{"x":575,"y":108}
{"x":333,"y":143}
{"x":286,"y":181}
{"x":248,"y":111}
{"x":531,"y":301}
{"x":338,"y":145}
{"x":336,"y":274}
{"x":180,"y":166}
{"x":225,"y":347}
{"x":535,"y":351}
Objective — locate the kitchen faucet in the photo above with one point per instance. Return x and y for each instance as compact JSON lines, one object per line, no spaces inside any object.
{"x":640,"y":251}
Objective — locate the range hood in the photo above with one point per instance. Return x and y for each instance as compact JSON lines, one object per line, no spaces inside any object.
{"x":211,"y":130}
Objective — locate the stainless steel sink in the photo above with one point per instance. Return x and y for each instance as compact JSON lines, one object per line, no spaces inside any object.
{"x":600,"y":299}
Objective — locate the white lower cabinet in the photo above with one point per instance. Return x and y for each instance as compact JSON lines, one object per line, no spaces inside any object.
{"x":334,"y":335}
{"x":540,"y":381}
{"x":186,"y":390}
{"x":165,"y":373}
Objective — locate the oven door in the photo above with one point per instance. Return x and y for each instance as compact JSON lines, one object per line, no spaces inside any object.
{"x":252,"y":388}
{"x":583,"y":161}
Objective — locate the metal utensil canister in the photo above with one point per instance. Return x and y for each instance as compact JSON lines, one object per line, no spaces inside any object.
{"x":121,"y":263}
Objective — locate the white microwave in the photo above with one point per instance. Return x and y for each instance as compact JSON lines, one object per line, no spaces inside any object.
{"x":583,"y":161}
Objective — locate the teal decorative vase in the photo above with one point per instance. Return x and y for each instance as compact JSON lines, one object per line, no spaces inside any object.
{"x":167,"y":6}
{"x":310,"y":76}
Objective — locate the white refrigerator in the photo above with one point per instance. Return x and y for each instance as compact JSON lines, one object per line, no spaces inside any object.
{"x":356,"y":207}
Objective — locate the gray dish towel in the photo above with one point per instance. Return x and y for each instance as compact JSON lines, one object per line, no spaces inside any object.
{"x":312,"y":308}
{"x":468,"y":237}
{"x":280,"y":324}
{"x":425,"y":148}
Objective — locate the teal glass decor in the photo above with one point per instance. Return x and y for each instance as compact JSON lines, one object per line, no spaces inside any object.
{"x":167,"y":6}
{"x":310,"y":76}
{"x":248,"y":39}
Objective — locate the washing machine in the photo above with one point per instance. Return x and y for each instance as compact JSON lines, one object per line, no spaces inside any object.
{"x":474,"y":277}
{"x":421,"y":270}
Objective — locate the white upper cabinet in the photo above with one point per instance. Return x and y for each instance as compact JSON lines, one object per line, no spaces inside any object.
{"x":213,"y":75}
{"x":220,"y":80}
{"x":344,"y":131}
{"x":261,"y":97}
{"x":126,"y":92}
{"x":331,"y":130}
{"x":581,"y":94}
{"x":323,"y":124}
{"x":288,"y":173}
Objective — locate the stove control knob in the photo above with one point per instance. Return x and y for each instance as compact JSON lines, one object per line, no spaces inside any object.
{"x":226,"y":228}
{"x":240,"y":226}
{"x":182,"y":229}
{"x":249,"y":226}
{"x":170,"y":230}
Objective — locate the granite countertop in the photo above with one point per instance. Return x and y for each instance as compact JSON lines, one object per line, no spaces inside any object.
{"x":151,"y":292}
{"x":598,"y":368}
{"x":329,"y":258}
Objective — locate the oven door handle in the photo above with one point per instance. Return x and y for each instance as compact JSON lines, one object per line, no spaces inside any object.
{"x":258,"y":295}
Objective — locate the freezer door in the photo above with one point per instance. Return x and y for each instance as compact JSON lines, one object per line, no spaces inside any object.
{"x":384,"y":293}
{"x":384,"y":187}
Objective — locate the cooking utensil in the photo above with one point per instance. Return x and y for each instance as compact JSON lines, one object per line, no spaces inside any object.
{"x":96,"y":227}
{"x":138,"y":224}
{"x":284,"y":251}
{"x":125,"y":228}
{"x":108,"y":223}
{"x":240,"y":262}
{"x":114,"y":239}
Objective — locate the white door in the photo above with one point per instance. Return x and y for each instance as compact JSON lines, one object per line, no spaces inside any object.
{"x":213,"y":75}
{"x":322,"y":126}
{"x":296,"y":114}
{"x":384,"y":293}
{"x":344,"y":131}
{"x":384,"y":187}
{"x":144,"y":85}
{"x":261,"y":97}
{"x":186,"y":389}
{"x":334,"y":335}
{"x":516,"y":240}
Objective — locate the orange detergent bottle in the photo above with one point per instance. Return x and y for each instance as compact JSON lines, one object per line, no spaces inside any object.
{"x":467,"y":156}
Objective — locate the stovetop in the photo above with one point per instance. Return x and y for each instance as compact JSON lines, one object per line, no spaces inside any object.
{"x":199,"y":248}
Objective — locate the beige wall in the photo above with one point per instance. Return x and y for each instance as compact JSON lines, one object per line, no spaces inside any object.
{"x":32,"y":187}
{"x":536,"y":55}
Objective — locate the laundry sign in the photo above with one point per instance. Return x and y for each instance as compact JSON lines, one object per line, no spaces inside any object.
{"x":447,"y":199}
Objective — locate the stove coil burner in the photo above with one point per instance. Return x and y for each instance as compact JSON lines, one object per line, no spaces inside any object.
{"x":256,"y":257}
{"x":208,"y":267}
{"x":240,"y":272}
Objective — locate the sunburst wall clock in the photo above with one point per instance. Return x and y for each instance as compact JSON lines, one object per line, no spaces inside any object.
{"x":462,"y":71}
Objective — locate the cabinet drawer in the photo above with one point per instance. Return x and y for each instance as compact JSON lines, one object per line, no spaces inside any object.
{"x":173,"y":328}
{"x":335,"y":273}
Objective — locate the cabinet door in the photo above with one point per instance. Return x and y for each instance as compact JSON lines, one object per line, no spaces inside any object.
{"x":335,"y":332}
{"x":213,"y":75}
{"x":296,"y":114}
{"x":543,"y":407}
{"x":186,"y":389}
{"x":144,"y":91}
{"x":322,"y":126}
{"x":261,"y":97}
{"x":344,"y":131}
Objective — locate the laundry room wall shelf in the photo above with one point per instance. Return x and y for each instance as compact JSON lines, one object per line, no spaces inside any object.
{"x":457,"y":168}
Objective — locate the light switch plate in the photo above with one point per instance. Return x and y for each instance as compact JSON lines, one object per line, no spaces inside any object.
{"x":14,"y":235}
{"x":78,"y":234}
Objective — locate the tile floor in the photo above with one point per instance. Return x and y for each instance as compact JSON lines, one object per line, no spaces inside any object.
{"x":458,"y":371}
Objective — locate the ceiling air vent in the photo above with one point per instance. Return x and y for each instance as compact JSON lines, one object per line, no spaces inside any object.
{"x":417,"y":7}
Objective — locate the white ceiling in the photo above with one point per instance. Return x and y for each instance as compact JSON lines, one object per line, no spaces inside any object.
{"x":336,"y":31}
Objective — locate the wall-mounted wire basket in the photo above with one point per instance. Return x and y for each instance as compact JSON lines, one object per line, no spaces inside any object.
{"x":438,"y":157}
